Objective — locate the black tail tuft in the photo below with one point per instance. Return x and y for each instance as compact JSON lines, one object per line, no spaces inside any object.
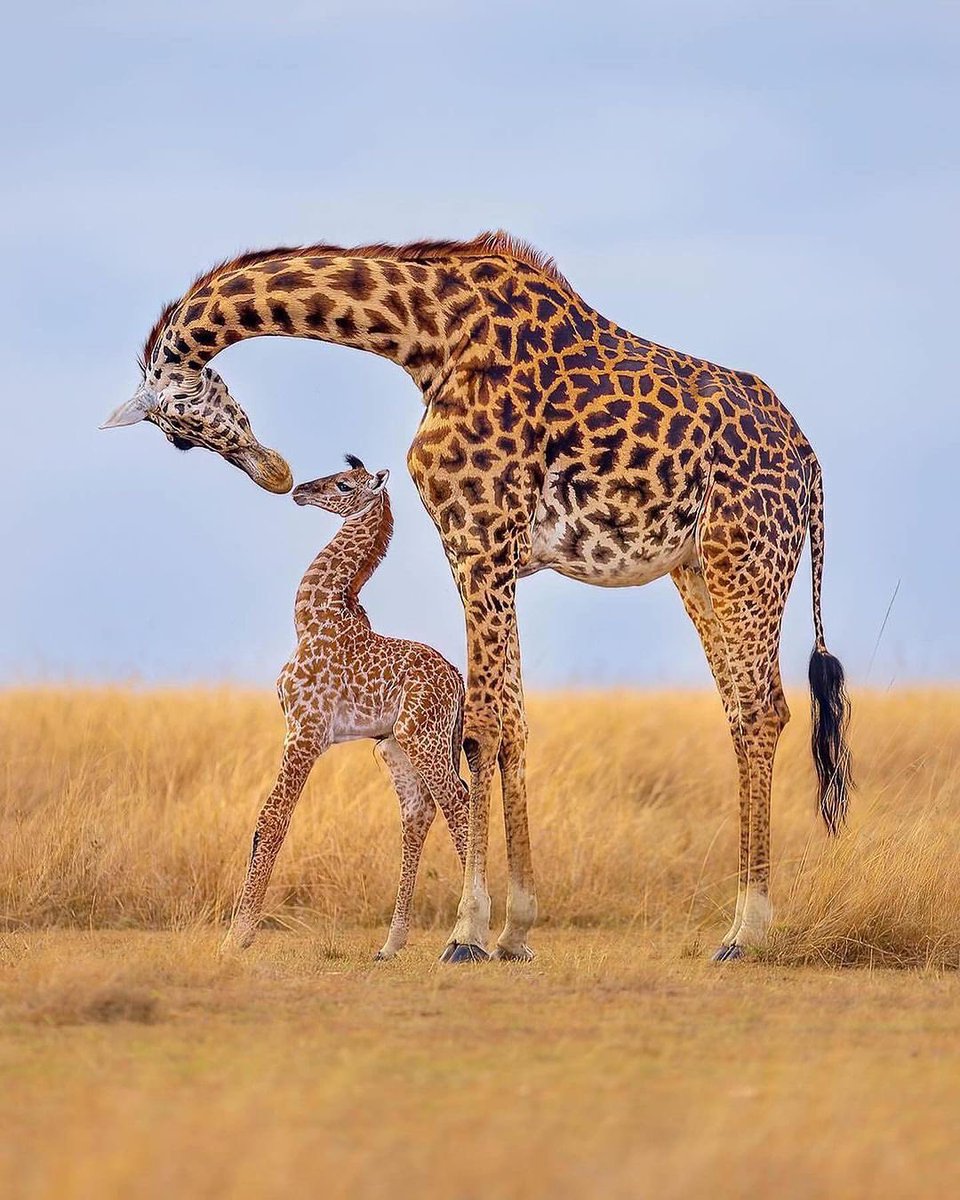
{"x":830,"y":713}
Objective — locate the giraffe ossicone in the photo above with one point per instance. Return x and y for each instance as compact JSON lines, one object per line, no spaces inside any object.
{"x":133,"y":410}
{"x":346,"y":682}
{"x":552,"y":438}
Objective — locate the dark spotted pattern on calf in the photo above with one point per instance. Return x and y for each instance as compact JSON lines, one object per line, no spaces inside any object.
{"x":346,"y":682}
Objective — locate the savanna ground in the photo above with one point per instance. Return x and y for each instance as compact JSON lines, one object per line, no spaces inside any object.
{"x":620,"y":1063}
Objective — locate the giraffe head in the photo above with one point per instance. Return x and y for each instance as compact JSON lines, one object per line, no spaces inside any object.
{"x":348,"y":493}
{"x":194,"y":408}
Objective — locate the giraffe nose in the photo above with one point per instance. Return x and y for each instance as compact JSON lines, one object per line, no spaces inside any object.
{"x":277,"y":475}
{"x":265,"y":467}
{"x":303,"y":493}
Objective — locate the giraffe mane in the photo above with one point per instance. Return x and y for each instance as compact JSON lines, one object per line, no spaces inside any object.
{"x":491,"y":242}
{"x":376,"y":555}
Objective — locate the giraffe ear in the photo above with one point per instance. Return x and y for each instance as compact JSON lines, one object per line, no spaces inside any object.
{"x":131,"y":411}
{"x":379,"y":481}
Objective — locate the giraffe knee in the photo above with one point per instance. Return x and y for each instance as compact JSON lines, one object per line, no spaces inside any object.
{"x":759,"y":717}
{"x":271,"y":827}
{"x":482,"y":736}
{"x":775,"y":712}
{"x":417,"y":818}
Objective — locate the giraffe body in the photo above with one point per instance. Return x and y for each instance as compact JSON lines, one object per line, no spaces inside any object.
{"x":551,"y":438}
{"x":346,"y":682}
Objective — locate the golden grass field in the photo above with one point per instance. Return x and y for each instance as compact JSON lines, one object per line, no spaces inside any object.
{"x":620,"y":1063}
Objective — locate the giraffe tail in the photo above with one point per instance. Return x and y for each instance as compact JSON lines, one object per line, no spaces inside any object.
{"x":829,"y":706}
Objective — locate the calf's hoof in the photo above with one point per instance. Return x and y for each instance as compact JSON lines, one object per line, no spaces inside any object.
{"x":729,"y":953}
{"x":234,"y":943}
{"x":462,"y":952}
{"x":522,"y":954}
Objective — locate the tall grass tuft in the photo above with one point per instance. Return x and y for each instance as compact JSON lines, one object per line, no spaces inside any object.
{"x":135,"y":809}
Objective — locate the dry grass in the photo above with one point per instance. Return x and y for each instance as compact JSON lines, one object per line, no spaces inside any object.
{"x":620,"y":1063}
{"x":134,"y":810}
{"x":602,"y":1069}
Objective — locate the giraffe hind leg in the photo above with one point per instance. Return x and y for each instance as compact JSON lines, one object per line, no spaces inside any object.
{"x":417,"y":811}
{"x":738,"y":607}
{"x":690,"y":584}
{"x":449,"y":791}
{"x":425,"y":730}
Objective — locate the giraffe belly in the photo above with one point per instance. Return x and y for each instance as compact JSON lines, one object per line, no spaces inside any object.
{"x":369,"y":717}
{"x":340,"y":687}
{"x":606,"y":543}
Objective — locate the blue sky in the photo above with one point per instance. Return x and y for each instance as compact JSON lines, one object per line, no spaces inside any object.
{"x":771,"y":186}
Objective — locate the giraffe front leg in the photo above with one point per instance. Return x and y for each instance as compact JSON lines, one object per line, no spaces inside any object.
{"x":300,"y":752}
{"x":417,"y":811}
{"x":468,"y":941}
{"x":521,"y":890}
{"x":488,"y":604}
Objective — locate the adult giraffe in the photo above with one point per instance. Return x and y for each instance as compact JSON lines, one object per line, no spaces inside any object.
{"x":550,"y":438}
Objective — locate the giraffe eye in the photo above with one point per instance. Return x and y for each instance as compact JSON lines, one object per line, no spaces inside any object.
{"x":343,"y":487}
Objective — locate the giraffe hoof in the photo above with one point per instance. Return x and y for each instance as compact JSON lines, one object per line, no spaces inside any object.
{"x":728,"y":953}
{"x":524,"y":954}
{"x":384,"y":955}
{"x":461,"y":952}
{"x":232,"y":947}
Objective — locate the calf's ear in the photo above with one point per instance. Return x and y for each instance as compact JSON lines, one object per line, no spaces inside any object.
{"x":379,"y":481}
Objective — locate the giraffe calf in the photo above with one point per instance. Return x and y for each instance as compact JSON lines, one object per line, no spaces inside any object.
{"x":346,"y":682}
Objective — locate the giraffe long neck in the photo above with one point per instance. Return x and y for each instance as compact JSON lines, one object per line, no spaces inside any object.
{"x":331,"y":587}
{"x":415,"y":313}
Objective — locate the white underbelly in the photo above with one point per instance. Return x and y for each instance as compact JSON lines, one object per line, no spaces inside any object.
{"x":607,"y":554}
{"x":354,"y":721}
{"x":622,"y":529}
{"x":622,"y":570}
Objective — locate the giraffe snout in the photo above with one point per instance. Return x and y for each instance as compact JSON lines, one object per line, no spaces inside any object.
{"x":265,"y":467}
{"x":304,"y":493}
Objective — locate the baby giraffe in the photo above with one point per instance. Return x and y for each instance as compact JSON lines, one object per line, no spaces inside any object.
{"x":346,"y":682}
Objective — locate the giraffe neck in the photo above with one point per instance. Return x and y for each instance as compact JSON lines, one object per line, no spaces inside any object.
{"x":332,"y":584}
{"x":414,"y":313}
